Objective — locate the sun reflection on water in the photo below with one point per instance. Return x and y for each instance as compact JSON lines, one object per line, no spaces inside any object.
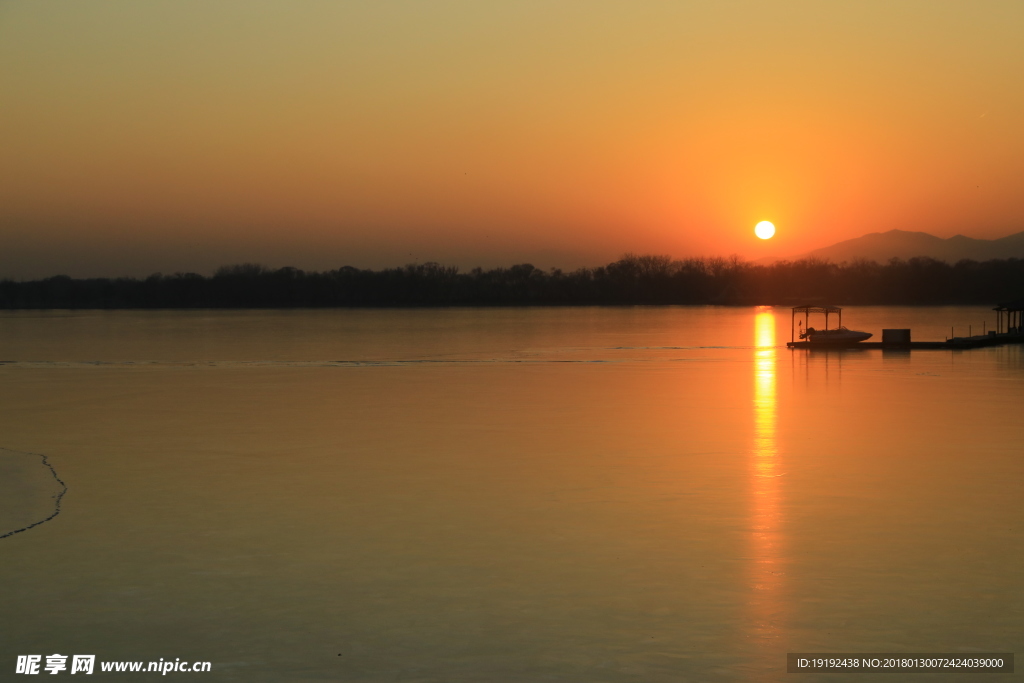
{"x":765,"y":522}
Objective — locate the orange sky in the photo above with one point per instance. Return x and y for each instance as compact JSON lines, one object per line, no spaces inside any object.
{"x":179,"y":135}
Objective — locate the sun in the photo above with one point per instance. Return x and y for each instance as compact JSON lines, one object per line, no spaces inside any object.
{"x":765,"y":230}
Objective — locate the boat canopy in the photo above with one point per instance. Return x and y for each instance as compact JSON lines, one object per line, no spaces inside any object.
{"x":816,"y":309}
{"x":807,"y":310}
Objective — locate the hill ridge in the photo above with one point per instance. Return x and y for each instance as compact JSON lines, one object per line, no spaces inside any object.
{"x":904,"y":244}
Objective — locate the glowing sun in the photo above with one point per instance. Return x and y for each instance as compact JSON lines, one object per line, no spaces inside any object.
{"x":765,"y":230}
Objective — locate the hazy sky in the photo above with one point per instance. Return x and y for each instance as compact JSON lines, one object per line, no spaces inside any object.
{"x":179,"y":135}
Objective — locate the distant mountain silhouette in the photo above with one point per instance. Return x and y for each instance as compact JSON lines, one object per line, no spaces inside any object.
{"x":882,"y":246}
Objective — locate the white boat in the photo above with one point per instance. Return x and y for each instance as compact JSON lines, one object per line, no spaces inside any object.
{"x":834,"y":337}
{"x":837,"y":336}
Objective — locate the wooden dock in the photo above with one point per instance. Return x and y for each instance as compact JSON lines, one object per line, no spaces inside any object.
{"x":975,"y":342}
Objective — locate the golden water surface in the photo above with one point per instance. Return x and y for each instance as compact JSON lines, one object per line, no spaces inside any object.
{"x":580,"y":494}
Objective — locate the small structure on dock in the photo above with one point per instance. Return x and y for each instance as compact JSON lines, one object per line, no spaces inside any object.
{"x":896,"y":337}
{"x":1008,"y":317}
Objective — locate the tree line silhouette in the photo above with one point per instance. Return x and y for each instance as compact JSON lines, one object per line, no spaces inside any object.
{"x":633,"y":279}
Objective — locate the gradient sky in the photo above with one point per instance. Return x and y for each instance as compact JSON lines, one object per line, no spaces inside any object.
{"x":179,"y":135}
